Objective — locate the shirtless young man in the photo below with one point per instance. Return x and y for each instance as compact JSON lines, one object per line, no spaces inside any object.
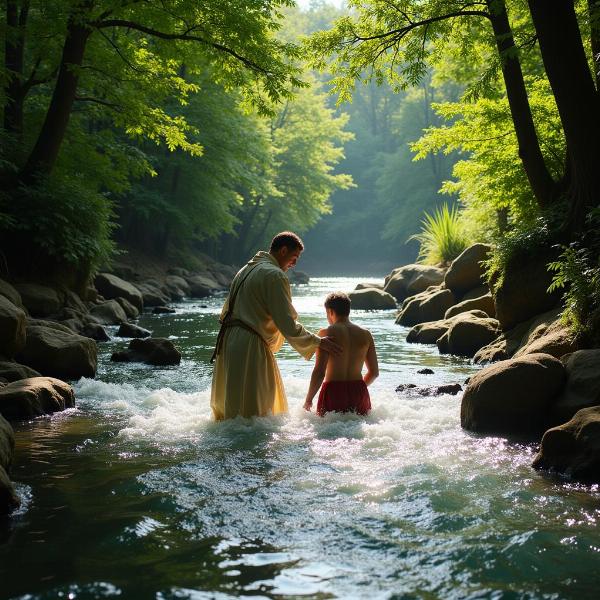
{"x":344,"y":389}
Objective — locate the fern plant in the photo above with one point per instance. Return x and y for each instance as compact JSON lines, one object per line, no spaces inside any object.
{"x":442,"y":237}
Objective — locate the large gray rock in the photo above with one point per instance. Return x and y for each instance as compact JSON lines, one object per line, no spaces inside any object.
{"x":73,"y":301}
{"x":477,"y":292}
{"x":10,"y":293}
{"x":12,"y":328}
{"x":484,"y":303}
{"x":202,"y":286}
{"x":12,"y":371}
{"x":40,"y":300}
{"x":548,"y":334}
{"x":130,"y":310}
{"x":427,"y":306}
{"x":466,"y":271}
{"x":109,"y":313}
{"x":522,"y":292}
{"x":112,"y":287}
{"x":133,"y":331}
{"x":177,"y":287}
{"x":152,"y":294}
{"x":29,"y":398}
{"x":154,"y":351}
{"x":372,"y":299}
{"x":412,"y":279}
{"x":582,"y":389}
{"x":574,"y":447}
{"x":512,"y":396}
{"x":504,"y":346}
{"x":56,"y":353}
{"x":468,"y":335}
{"x":432,"y":331}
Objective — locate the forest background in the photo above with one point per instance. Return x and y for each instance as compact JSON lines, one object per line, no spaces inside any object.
{"x":174,"y":129}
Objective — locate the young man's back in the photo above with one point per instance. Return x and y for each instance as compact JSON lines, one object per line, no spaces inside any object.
{"x":344,"y":388}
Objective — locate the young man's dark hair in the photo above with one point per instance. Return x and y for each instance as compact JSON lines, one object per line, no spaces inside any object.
{"x":339,"y":303}
{"x":286,"y":239}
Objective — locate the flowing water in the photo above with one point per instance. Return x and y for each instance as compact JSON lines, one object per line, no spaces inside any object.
{"x":138,"y":494}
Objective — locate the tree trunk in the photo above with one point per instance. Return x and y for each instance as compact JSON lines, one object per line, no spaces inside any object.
{"x":45,"y":152}
{"x":543,"y":186}
{"x":594,"y":17}
{"x":569,"y":75}
{"x":14,"y":50}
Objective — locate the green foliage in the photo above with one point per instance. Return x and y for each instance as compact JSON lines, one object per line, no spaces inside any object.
{"x":577,"y":272}
{"x":442,"y":237}
{"x":59,"y":219}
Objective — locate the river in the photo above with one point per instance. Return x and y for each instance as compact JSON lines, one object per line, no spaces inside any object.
{"x":136,"y":493}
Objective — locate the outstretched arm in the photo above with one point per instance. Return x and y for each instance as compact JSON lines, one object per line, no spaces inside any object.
{"x":372,"y":365}
{"x":318,"y":374}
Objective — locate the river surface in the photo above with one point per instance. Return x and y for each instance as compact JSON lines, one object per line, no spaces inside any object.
{"x":136,"y":493}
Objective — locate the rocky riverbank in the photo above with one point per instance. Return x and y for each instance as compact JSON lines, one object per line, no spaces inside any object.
{"x":49,"y":335}
{"x":537,"y":376}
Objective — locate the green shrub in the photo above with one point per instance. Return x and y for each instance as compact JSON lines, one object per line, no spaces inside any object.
{"x":57,"y":224}
{"x":442,"y":237}
{"x":577,"y":271}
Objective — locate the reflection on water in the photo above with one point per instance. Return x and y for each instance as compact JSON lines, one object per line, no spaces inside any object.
{"x":138,"y":494}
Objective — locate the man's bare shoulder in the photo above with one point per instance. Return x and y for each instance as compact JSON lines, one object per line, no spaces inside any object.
{"x":324,"y":332}
{"x":362,"y":331}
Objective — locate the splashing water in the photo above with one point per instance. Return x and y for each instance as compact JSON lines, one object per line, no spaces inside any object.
{"x":138,"y":493}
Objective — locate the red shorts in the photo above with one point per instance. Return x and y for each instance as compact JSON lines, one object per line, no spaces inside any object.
{"x":344,"y":396}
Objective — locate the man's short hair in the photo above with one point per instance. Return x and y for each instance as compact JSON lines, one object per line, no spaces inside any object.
{"x":339,"y":303}
{"x":286,"y":239}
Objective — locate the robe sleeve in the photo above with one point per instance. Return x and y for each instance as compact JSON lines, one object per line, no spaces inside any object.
{"x":284,"y":315}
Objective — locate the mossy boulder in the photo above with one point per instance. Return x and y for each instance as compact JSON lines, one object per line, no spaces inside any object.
{"x":10,"y":293}
{"x":513,"y":396}
{"x":430,"y":332}
{"x":109,"y":313}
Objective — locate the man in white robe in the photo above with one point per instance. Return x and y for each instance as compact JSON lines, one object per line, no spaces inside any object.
{"x":246,"y":380}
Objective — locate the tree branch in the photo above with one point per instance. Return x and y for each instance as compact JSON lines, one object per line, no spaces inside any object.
{"x":185,"y":36}
{"x":112,"y":105}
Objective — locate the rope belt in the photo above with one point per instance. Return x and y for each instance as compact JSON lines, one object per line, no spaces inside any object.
{"x":228,"y":324}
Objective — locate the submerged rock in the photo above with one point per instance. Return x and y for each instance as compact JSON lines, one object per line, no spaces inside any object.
{"x":35,"y":396}
{"x":163,"y":310}
{"x":436,"y":390}
{"x":154,"y":351}
{"x":512,"y":396}
{"x":133,"y":331}
{"x":574,"y":447}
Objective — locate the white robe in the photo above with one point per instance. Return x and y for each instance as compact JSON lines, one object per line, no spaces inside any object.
{"x":246,"y":380}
